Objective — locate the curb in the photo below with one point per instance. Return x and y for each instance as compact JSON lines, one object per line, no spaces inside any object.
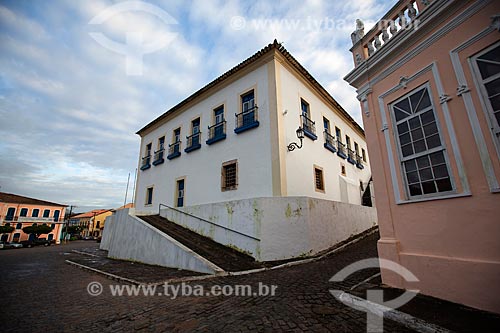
{"x":385,"y":312}
{"x":108,"y":275}
{"x":223,"y":273}
{"x":85,"y":253}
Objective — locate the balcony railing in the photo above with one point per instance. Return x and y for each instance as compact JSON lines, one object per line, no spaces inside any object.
{"x":351,"y":156}
{"x":193,"y":142}
{"x":404,"y":16}
{"x":159,"y":157}
{"x":309,"y":127}
{"x":359,"y":161}
{"x":216,"y":132}
{"x":329,"y":142}
{"x":341,"y":151}
{"x":146,"y":162}
{"x":174,"y":150}
{"x":35,"y":219}
{"x":246,"y":120}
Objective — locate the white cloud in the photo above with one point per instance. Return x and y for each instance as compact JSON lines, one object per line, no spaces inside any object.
{"x":69,"y":111}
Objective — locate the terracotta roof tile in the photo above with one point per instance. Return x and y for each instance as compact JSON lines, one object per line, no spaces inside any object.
{"x":19,"y":199}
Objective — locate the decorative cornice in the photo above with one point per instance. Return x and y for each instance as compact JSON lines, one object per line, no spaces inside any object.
{"x":362,"y":95}
{"x":444,"y":98}
{"x":495,"y":22}
{"x":403,"y":81}
{"x":462,"y":89}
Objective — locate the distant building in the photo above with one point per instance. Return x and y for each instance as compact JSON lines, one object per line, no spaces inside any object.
{"x":428,"y":78}
{"x":92,"y":221}
{"x":19,"y":212}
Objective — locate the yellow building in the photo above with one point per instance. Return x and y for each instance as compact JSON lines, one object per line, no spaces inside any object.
{"x":97,"y":221}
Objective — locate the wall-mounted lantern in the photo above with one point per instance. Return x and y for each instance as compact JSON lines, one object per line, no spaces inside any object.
{"x":300,"y":135}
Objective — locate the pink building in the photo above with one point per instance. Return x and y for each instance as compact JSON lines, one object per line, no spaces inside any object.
{"x":428,"y":79}
{"x":19,"y":212}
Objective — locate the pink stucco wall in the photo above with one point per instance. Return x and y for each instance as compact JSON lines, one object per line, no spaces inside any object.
{"x":452,"y":245}
{"x":56,"y":232}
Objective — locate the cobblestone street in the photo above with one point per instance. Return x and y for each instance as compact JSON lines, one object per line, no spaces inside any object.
{"x":40,"y":292}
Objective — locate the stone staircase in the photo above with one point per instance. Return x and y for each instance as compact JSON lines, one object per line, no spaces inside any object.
{"x":224,"y":257}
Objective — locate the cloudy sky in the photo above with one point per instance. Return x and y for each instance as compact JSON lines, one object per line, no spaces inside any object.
{"x":70,"y":106}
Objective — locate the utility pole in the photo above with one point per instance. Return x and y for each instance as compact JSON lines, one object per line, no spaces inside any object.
{"x":133,"y":191}
{"x":126,"y":191}
{"x":67,"y":222}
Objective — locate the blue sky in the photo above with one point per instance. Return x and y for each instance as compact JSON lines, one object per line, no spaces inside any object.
{"x":69,"y":110}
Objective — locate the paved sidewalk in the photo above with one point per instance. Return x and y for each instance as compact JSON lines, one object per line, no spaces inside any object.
{"x":132,"y":271}
{"x":447,"y":315}
{"x":40,"y":292}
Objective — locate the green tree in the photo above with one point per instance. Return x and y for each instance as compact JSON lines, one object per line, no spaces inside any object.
{"x":37,"y":230}
{"x":6,"y":229}
{"x":75,"y":229}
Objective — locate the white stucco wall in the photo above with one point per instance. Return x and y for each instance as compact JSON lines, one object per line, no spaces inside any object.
{"x":299,"y":163}
{"x":299,"y":226}
{"x":130,"y":238}
{"x":202,"y":167}
{"x":286,"y":226}
{"x":241,"y":216}
{"x":106,"y":233}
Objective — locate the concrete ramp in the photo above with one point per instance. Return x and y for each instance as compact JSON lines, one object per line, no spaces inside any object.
{"x":128,"y":237}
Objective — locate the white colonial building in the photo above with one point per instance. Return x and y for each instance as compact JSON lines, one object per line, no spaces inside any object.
{"x":227,"y":163}
{"x":228,"y":140}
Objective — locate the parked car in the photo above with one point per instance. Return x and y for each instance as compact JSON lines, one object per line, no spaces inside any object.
{"x":15,"y":245}
{"x":7,"y":245}
{"x":88,"y":238}
{"x":36,"y":242}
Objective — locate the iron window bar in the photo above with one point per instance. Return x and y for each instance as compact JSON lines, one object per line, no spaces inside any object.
{"x":247,"y":118}
{"x":146,"y":162}
{"x":329,"y":141}
{"x":158,"y":158}
{"x":216,"y":132}
{"x":174,"y":150}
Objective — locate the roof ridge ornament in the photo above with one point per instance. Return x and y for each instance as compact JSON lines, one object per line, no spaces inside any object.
{"x":359,"y":33}
{"x":495,"y":22}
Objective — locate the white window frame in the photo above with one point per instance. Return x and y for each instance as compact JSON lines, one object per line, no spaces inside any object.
{"x":483,"y":95}
{"x":152,"y":196}
{"x":441,"y":148}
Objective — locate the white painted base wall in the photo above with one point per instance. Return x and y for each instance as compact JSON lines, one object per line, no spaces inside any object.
{"x":286,"y":226}
{"x":129,"y":238}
